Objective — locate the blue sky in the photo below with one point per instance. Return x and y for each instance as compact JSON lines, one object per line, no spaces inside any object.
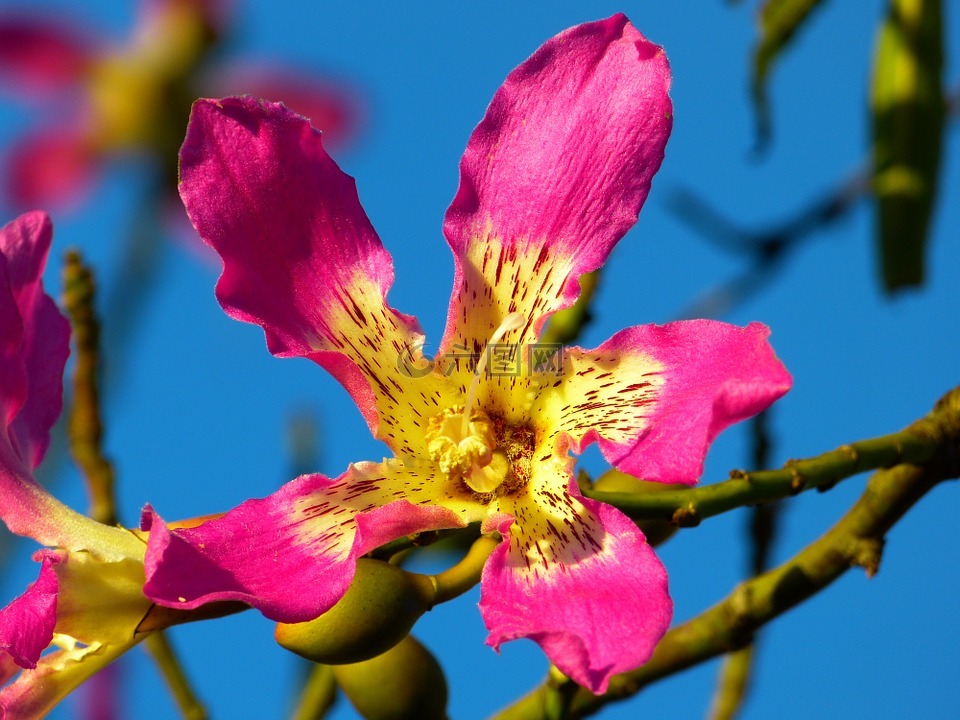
{"x":198,"y":413}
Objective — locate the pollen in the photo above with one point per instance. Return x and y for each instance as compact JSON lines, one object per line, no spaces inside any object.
{"x":463,"y":446}
{"x":491,"y":460}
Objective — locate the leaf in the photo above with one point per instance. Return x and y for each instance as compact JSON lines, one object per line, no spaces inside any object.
{"x":779,"y":21}
{"x":908,"y":110}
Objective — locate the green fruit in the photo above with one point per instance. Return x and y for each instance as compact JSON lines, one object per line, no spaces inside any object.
{"x":656,"y":531}
{"x":377,"y":611}
{"x":404,"y":683}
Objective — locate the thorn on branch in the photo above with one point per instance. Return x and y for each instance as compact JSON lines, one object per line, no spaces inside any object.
{"x":798,"y":482}
{"x":686,"y":517}
{"x":852,"y":452}
{"x":867,"y":555}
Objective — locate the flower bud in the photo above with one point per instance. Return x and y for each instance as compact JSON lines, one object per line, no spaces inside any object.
{"x":377,"y":611}
{"x":656,"y":531}
{"x":404,"y":683}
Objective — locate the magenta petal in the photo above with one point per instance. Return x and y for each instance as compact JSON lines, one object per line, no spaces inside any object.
{"x":13,"y":372}
{"x":563,"y":159}
{"x":34,"y":346}
{"x":26,"y":624}
{"x":41,"y":55}
{"x":291,"y":555}
{"x":596,"y":617}
{"x":300,"y":256}
{"x":713,"y":375}
{"x":254,"y":554}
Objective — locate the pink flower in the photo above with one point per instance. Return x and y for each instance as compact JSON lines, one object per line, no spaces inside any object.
{"x":133,"y":99}
{"x":88,"y":600}
{"x":551,"y":179}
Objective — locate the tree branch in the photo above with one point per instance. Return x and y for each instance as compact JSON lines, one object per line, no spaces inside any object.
{"x":917,"y":444}
{"x":84,"y":427}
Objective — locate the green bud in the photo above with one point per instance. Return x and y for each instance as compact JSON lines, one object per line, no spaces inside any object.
{"x":656,"y":531}
{"x":377,"y":611}
{"x":404,"y":683}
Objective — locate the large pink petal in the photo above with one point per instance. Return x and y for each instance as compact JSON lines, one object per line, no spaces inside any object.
{"x":291,"y":555}
{"x":655,"y":396}
{"x":26,"y":624}
{"x":595,"y":611}
{"x":44,"y":341}
{"x":555,"y":174}
{"x":300,"y":256}
{"x":41,"y":55}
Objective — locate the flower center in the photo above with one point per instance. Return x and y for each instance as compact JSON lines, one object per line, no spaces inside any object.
{"x":465,"y":442}
{"x":464,"y":446}
{"x":492,"y":460}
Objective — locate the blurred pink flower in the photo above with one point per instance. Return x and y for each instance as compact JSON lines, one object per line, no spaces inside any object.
{"x":102,"y":102}
{"x":88,"y":601}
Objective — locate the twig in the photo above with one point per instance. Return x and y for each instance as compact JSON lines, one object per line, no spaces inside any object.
{"x":84,"y":428}
{"x":559,"y":691}
{"x":733,"y":681}
{"x":455,"y":581}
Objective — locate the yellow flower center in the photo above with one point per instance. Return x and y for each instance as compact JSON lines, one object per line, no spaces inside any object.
{"x":465,"y":448}
{"x":464,"y":442}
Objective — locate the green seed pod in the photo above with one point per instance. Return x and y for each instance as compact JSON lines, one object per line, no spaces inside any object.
{"x":657,"y":531}
{"x":404,"y":683}
{"x":377,"y":611}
